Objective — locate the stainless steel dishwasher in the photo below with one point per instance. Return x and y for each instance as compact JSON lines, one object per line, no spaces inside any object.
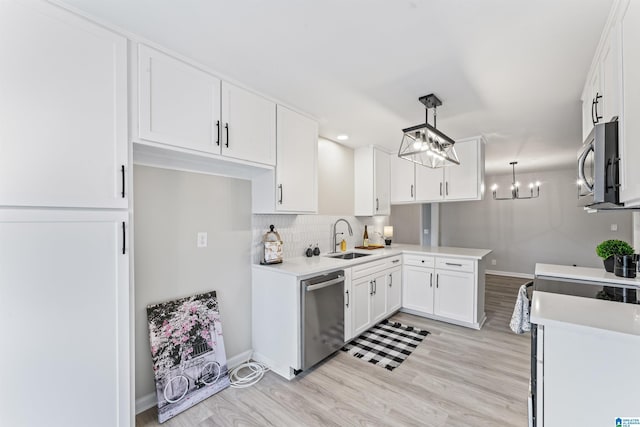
{"x":322,"y":317}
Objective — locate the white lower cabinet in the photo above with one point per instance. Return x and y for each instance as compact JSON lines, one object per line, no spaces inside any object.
{"x":394,"y":289}
{"x":447,"y":289}
{"x":361,"y":314}
{"x":64,"y":287}
{"x":453,"y":296}
{"x":376,"y":288}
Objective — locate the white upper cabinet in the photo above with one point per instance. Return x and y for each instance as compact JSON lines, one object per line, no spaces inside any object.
{"x":297,"y":163}
{"x":178,"y":103}
{"x":248,"y":125}
{"x":402,"y":180}
{"x":430,"y":183}
{"x":601,"y":97}
{"x":63,"y":104}
{"x":183,"y":106}
{"x":630,"y":123}
{"x":372,"y":186}
{"x":463,"y":182}
{"x":450,"y":183}
{"x":613,"y":78}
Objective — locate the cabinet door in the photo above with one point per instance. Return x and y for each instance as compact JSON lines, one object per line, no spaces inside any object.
{"x":64,"y":301}
{"x":609,"y":104}
{"x":402,"y":180}
{"x":382,"y":177}
{"x":361,"y":308}
{"x":418,"y":289}
{"x":454,"y":295}
{"x":394,"y":290}
{"x":630,"y":126}
{"x":63,"y":109}
{"x":248,"y":126}
{"x":297,"y":159}
{"x":178,"y":104}
{"x":429,"y":184}
{"x":379,"y":298}
{"x":461,"y":181}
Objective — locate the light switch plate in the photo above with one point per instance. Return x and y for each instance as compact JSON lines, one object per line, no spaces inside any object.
{"x":202,"y":239}
{"x":614,"y":227}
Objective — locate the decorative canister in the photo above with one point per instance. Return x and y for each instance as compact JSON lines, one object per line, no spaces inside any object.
{"x":272,"y":245}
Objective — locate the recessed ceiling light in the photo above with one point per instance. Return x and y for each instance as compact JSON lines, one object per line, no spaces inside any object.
{"x":342,"y":137}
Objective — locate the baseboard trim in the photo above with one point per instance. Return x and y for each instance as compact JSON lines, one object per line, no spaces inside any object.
{"x":149,"y":401}
{"x":509,"y":274}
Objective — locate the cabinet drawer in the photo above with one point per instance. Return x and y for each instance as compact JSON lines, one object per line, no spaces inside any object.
{"x":394,"y":261}
{"x":456,"y":264}
{"x":419,"y":260}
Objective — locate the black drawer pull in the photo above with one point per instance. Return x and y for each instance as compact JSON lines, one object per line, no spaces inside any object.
{"x":451,"y":263}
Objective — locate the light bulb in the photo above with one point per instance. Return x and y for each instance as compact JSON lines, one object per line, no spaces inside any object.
{"x":531,"y":185}
{"x":537,"y":183}
{"x":512,"y":187}
{"x":579,"y":182}
{"x":494,"y":187}
{"x":517,"y":184}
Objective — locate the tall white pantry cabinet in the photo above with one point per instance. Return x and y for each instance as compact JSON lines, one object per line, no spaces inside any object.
{"x":64,"y":220}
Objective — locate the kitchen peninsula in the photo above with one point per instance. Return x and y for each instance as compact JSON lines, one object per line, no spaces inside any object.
{"x":441,"y":283}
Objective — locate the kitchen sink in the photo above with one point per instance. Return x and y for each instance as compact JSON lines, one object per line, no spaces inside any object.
{"x":350,"y":255}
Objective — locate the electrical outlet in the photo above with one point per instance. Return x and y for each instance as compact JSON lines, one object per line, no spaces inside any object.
{"x":426,"y":231}
{"x":493,"y":262}
{"x":614,"y":227}
{"x":202,"y":239}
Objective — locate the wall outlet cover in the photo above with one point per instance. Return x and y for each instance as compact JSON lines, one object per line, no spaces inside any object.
{"x":202,"y":239}
{"x":493,"y":262}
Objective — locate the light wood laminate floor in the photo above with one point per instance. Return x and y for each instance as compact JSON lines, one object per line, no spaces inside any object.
{"x":456,"y":377}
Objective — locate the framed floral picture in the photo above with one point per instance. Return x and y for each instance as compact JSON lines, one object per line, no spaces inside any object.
{"x":187,"y":350}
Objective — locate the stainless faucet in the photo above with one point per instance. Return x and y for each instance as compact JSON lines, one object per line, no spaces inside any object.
{"x":335,"y":240}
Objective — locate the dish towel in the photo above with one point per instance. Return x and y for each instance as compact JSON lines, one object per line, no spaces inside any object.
{"x":520,"y":318}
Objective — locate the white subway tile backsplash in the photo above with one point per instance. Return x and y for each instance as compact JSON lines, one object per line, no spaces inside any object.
{"x":299,"y":231}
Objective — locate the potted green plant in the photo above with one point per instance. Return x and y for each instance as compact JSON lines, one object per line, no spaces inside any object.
{"x":609,"y":248}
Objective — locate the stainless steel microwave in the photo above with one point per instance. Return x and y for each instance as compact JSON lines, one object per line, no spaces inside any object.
{"x":599,"y":168}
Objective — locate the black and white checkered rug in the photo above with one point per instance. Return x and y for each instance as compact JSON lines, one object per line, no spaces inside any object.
{"x":386,"y":344}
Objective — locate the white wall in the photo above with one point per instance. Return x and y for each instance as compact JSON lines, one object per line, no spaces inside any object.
{"x":335,"y":178}
{"x":170,"y":207}
{"x":550,"y":229}
{"x":406,"y":223}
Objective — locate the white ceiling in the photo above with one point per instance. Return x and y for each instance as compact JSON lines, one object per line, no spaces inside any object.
{"x":512,"y":70}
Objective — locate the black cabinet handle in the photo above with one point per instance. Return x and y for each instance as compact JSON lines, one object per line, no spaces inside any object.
{"x":441,"y":189}
{"x":412,"y":191}
{"x":452,"y":263}
{"x":593,"y":106}
{"x":226,"y":127}
{"x":390,"y":280}
{"x":122,"y":171}
{"x":446,"y":191}
{"x":281,"y":194}
{"x":347,"y":292}
{"x":395,"y":261}
{"x":218,"y":133}
{"x":124,"y":238}
{"x":431,"y":280}
{"x":370,"y":287}
{"x":377,"y":204}
{"x":598,"y":96}
{"x":437,"y":280}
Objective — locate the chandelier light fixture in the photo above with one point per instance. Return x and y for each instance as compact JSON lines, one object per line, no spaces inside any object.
{"x":424,"y":144}
{"x":515,"y":188}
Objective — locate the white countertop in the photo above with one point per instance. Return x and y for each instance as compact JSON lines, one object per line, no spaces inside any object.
{"x":566,"y":310}
{"x":583,"y":273}
{"x":304,"y":266}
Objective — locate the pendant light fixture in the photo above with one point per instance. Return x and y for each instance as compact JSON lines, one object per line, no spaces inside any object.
{"x":424,"y":144}
{"x":515,"y":188}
